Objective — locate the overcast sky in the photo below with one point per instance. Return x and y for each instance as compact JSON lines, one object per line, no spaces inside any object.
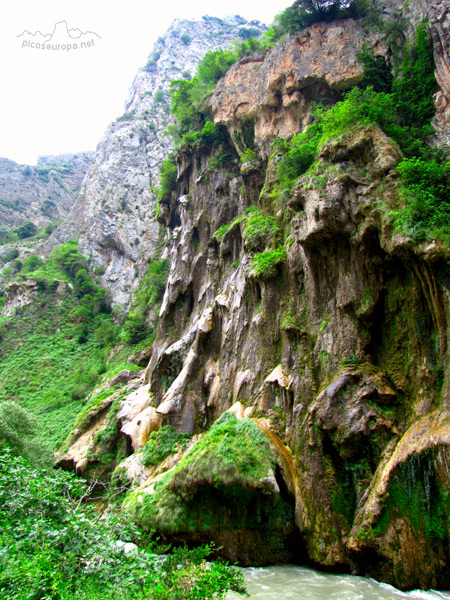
{"x":62,"y":101}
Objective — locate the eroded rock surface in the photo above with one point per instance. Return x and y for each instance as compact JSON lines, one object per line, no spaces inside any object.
{"x":338,"y":352}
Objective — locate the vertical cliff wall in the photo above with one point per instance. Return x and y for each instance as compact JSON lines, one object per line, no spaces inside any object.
{"x":302,"y":311}
{"x":114,"y":214}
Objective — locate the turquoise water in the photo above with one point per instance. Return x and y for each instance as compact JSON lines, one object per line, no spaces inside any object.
{"x":289,"y":582}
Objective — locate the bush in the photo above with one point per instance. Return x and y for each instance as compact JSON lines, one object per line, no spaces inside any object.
{"x":168,"y":177}
{"x":32,"y":263}
{"x":426,"y":195}
{"x":55,"y":547}
{"x":19,"y":432}
{"x":26,"y":230}
{"x":69,"y":258}
{"x":377,"y":72}
{"x":259,"y":229}
{"x":162,"y":443}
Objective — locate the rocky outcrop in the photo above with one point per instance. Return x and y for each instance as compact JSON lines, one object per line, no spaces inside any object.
{"x":341,"y":346}
{"x":275,"y":90}
{"x":115,"y":212}
{"x":336,"y":346}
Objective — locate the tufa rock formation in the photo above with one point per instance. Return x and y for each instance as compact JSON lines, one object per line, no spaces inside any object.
{"x":331,"y":362}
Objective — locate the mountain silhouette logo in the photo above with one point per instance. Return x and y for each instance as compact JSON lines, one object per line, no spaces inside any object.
{"x":61,"y":38}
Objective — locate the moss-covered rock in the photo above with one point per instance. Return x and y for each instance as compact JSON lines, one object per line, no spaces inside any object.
{"x":223,"y":489}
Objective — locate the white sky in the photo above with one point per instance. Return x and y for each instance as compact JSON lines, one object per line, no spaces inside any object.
{"x":55,"y":102}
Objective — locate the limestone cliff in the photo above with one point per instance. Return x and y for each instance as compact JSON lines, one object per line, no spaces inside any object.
{"x":40,"y":193}
{"x":336,"y":348}
{"x":115,"y":210}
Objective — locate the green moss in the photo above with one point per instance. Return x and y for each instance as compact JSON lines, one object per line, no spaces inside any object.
{"x":414,"y":493}
{"x":213,"y":489}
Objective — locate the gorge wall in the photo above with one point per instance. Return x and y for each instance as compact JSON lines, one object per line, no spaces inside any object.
{"x":312,"y":390}
{"x":114,"y":214}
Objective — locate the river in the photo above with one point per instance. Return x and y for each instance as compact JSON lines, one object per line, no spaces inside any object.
{"x":286,"y":582}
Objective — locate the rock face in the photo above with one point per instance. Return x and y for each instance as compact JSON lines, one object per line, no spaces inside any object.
{"x":40,"y":193}
{"x":437,"y":16}
{"x":116,"y":207}
{"x":338,"y":348}
{"x":275,"y":90}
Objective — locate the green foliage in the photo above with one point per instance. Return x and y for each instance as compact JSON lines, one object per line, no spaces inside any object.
{"x":12,"y":254}
{"x":68,"y":258}
{"x":148,"y":296}
{"x":231,"y":450}
{"x":168,"y":178}
{"x":32,"y":263}
{"x":265,"y":263}
{"x":19,"y":432}
{"x":414,"y":88}
{"x":52,"y":352}
{"x":7,"y":235}
{"x":188,"y":97}
{"x":214,"y":65}
{"x":377,"y":72}
{"x":210,"y":135}
{"x":303,"y":13}
{"x":259,"y":229}
{"x":26,"y":230}
{"x":54,"y":546}
{"x":426,"y":197}
{"x":299,"y":154}
{"x":220,"y":233}
{"x":162,"y":443}
{"x":159,"y":97}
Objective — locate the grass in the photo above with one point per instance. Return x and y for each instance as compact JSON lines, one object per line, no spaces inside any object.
{"x":54,"y":351}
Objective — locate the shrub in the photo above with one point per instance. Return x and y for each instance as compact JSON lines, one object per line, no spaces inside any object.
{"x":168,"y":177}
{"x":185,"y":39}
{"x":32,"y":263}
{"x":159,"y":97}
{"x":265,"y":263}
{"x":426,"y":195}
{"x":377,"y":72}
{"x":69,"y":258}
{"x":54,"y":546}
{"x":26,"y":230}
{"x":19,"y":432}
{"x":162,"y":443}
{"x":259,"y":229}
{"x":12,"y":254}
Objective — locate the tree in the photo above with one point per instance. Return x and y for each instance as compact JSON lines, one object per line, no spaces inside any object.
{"x":306,"y":12}
{"x":26,"y":230}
